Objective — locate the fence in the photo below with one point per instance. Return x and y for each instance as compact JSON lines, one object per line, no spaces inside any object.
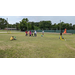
{"x":56,"y":31}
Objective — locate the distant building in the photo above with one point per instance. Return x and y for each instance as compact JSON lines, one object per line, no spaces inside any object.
{"x":10,"y":28}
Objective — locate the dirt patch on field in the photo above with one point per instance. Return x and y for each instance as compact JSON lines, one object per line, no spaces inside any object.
{"x":1,"y":41}
{"x":5,"y":47}
{"x":69,"y":47}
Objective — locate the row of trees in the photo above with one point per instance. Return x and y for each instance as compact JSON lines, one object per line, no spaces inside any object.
{"x":45,"y":25}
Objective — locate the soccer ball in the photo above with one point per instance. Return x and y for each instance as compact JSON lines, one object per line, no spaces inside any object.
{"x":41,"y":35}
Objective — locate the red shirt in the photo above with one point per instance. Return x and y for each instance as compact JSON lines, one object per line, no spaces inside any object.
{"x":26,"y":32}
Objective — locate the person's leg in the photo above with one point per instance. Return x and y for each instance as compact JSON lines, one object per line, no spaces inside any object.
{"x":14,"y":39}
{"x":62,"y":37}
{"x":26,"y":34}
{"x":34,"y":34}
{"x":43,"y":33}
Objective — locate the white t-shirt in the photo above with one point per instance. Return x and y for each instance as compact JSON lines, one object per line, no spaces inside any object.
{"x":42,"y":31}
{"x":35,"y":32}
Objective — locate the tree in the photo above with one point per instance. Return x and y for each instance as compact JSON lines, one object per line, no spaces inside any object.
{"x":24,"y":24}
{"x":17,"y":26}
{"x":9,"y":25}
{"x":74,"y":26}
{"x":3,"y":23}
{"x":36,"y":28}
{"x":45,"y":25}
{"x":54,"y":26}
{"x":48,"y":25}
{"x":41,"y":25}
{"x":70,"y":25}
{"x":29,"y":26}
{"x":36,"y":24}
{"x":27,"y":20}
{"x":63,"y":25}
{"x":67,"y":26}
{"x":32,"y":25}
{"x":14,"y":26}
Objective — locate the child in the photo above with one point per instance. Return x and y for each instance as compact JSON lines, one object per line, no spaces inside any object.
{"x":35,"y":33}
{"x":13,"y":38}
{"x":26,"y":33}
{"x":43,"y":32}
{"x":30,"y":33}
{"x":61,"y":37}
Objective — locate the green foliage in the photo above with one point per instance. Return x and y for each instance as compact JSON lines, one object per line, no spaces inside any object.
{"x":54,"y":26}
{"x":32,"y":25}
{"x":10,"y":26}
{"x":29,"y":26}
{"x":74,"y":26}
{"x":45,"y":25}
{"x":36,"y":28}
{"x":17,"y":26}
{"x":3,"y":23}
{"x":24,"y":24}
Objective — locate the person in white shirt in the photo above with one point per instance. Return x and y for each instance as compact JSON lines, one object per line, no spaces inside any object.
{"x":43,"y":32}
{"x":35,"y":33}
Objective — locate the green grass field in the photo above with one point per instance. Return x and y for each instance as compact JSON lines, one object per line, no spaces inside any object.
{"x":49,"y":46}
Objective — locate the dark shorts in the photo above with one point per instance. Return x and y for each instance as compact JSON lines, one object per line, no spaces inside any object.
{"x":32,"y":34}
{"x":35,"y":34}
{"x":43,"y":33}
{"x":26,"y":34}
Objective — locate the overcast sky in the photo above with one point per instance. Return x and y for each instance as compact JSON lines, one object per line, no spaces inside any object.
{"x":53,"y":19}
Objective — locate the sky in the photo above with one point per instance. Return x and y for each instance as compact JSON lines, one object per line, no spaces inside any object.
{"x":53,"y":19}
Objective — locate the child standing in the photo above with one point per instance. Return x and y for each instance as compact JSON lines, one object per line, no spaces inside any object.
{"x":26,"y":33}
{"x":43,"y":32}
{"x":61,"y":37}
{"x":35,"y":33}
{"x":30,"y":33}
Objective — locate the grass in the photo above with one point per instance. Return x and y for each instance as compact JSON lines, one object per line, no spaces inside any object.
{"x":49,"y":46}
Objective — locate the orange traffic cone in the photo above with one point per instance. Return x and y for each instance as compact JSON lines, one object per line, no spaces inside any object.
{"x":64,"y":31}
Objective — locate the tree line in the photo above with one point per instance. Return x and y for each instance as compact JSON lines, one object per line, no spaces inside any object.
{"x":42,"y":25}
